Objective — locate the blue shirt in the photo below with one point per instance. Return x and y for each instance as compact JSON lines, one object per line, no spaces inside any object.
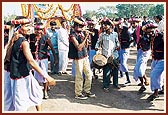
{"x":53,"y":35}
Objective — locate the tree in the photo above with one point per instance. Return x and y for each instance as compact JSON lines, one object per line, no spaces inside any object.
{"x":159,"y":9}
{"x":109,"y":11}
{"x":128,"y":10}
{"x":155,"y":10}
{"x":123,"y":10}
{"x":89,"y":13}
{"x":152,"y":12}
{"x":9,"y":17}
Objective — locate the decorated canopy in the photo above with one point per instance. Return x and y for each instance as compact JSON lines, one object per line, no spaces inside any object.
{"x":47,"y":11}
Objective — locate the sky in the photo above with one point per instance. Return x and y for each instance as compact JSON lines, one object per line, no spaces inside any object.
{"x":15,"y":8}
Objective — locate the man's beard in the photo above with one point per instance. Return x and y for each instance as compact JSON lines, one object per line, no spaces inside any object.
{"x":53,"y":29}
{"x":107,"y":30}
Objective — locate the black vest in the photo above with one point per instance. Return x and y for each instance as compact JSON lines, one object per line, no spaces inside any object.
{"x":125,"y":39}
{"x":73,"y":52}
{"x":19,"y":66}
{"x":42,"y":46}
{"x":144,"y":42}
{"x":94,"y":38}
{"x":158,"y":47}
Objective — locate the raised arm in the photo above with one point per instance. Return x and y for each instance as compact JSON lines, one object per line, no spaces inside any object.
{"x":76,"y":43}
{"x":34,"y":65}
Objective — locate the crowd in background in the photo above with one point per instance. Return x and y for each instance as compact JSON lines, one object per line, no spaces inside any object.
{"x":28,"y":55}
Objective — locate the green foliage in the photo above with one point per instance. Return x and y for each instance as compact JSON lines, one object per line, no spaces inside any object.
{"x":158,"y":9}
{"x":89,"y":13}
{"x":123,"y":10}
{"x":9,"y":17}
{"x":127,"y":10}
{"x":120,"y":10}
{"x":109,"y":11}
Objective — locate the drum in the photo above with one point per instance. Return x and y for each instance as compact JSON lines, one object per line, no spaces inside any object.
{"x":99,"y":61}
{"x":113,"y":63}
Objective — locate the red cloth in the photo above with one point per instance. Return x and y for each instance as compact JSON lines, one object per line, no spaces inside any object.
{"x":138,"y":33}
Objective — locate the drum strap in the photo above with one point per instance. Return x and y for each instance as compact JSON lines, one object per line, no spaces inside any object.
{"x":114,"y":64}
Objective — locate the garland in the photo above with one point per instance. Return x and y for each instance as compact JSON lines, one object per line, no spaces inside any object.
{"x":23,"y":7}
{"x":46,"y":15}
{"x":71,"y":7}
{"x":41,"y":10}
{"x":50,"y":11}
{"x":63,"y":13}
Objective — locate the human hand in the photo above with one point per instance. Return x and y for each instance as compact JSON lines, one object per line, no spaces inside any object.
{"x":51,"y":81}
{"x":110,"y":59}
{"x":96,"y":49}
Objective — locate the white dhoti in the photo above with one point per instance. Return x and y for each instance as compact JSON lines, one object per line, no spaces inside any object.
{"x":63,"y":60}
{"x":124,"y":54}
{"x":141,"y":64}
{"x":8,"y":100}
{"x":44,"y":66}
{"x":24,"y":93}
{"x":157,"y":74}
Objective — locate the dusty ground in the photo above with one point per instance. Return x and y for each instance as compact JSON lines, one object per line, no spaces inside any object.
{"x":124,"y":100}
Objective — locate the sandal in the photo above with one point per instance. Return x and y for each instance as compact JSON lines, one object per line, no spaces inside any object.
{"x":116,"y":86}
{"x":60,"y":73}
{"x":152,"y":97}
{"x":142,"y":89}
{"x":45,"y":95}
{"x":160,"y":92}
{"x":146,"y":83}
{"x":64,"y":73}
{"x":139,"y":84}
{"x":106,"y":90}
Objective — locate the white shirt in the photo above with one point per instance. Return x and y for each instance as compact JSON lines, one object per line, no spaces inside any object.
{"x":161,"y":26}
{"x":108,"y":44}
{"x":131,"y":30}
{"x":63,"y":39}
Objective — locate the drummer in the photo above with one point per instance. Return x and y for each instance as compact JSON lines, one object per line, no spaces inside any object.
{"x":109,"y":43}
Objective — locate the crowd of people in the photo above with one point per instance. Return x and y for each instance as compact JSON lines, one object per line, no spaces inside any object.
{"x":28,"y":55}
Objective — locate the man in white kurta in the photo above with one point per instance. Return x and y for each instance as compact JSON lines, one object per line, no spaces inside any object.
{"x":63,"y":47}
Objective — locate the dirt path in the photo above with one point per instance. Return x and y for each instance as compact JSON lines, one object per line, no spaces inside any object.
{"x":122,"y":100}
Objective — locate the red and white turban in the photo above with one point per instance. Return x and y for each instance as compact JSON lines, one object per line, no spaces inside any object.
{"x":149,"y":26}
{"x":6,"y":27}
{"x":131,"y":20}
{"x":38,"y":26}
{"x":21,"y":21}
{"x":107,"y":21}
{"x":81,"y":22}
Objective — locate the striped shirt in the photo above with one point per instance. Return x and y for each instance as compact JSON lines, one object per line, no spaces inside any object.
{"x":108,"y":43}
